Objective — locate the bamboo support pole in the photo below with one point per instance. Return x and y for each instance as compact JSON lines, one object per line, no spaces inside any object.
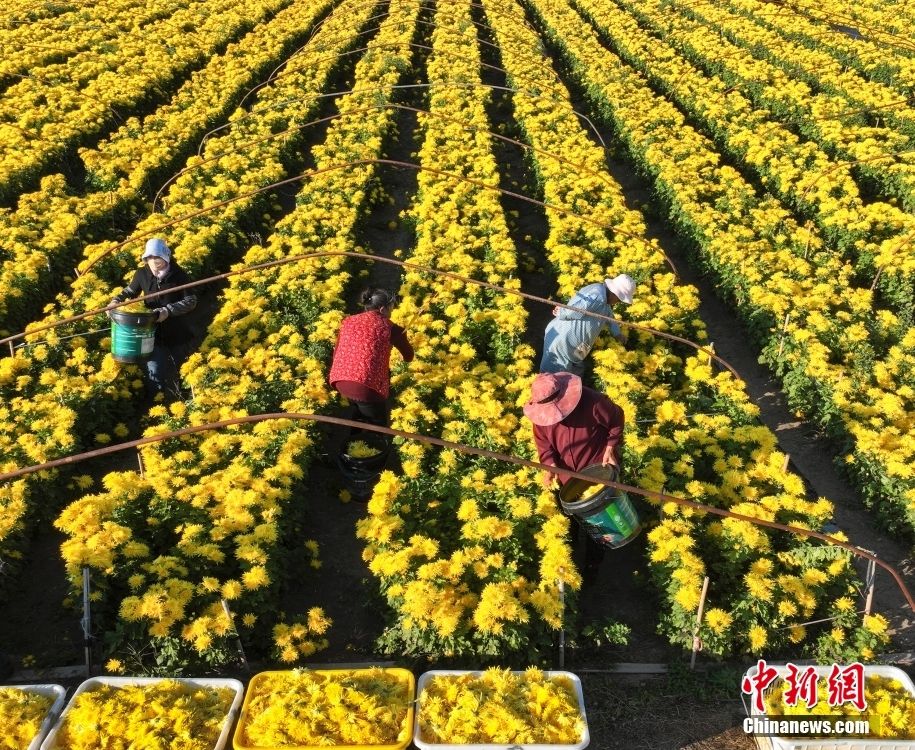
{"x":241,"y":649}
{"x":87,"y":623}
{"x":562,"y":627}
{"x":781,"y":344}
{"x":697,"y":644}
{"x":870,"y":581}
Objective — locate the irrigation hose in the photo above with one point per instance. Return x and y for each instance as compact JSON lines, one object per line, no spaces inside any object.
{"x":393,"y":261}
{"x":363,"y":162}
{"x":659,"y":496}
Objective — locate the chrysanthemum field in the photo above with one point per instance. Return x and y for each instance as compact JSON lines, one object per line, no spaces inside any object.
{"x":779,"y":151}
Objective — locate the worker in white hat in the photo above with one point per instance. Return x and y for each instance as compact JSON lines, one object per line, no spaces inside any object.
{"x":174,"y":339}
{"x":571,"y":336}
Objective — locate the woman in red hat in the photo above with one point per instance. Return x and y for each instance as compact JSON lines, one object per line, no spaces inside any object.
{"x":361,"y":369}
{"x":574,"y":427}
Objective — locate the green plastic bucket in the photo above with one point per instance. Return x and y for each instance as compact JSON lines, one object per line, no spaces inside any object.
{"x":609,"y":517}
{"x":133,"y":336}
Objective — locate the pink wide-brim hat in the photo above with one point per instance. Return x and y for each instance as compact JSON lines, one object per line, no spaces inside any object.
{"x":554,"y":395}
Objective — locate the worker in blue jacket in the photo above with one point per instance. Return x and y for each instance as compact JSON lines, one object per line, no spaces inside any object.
{"x":571,"y":336}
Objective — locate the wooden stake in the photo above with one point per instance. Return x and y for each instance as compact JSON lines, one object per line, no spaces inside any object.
{"x":562,"y":629}
{"x":877,"y":277}
{"x":697,"y":644}
{"x":807,"y":248}
{"x":140,"y":461}
{"x":785,"y":463}
{"x":711,"y":348}
{"x":12,"y":349}
{"x":870,"y":583}
{"x":241,"y":649}
{"x":87,"y":623}
{"x":781,"y":344}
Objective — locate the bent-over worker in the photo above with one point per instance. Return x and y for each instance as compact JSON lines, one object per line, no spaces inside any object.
{"x":570,"y":338}
{"x":174,"y":338}
{"x":575,"y":427}
{"x":361,"y":368}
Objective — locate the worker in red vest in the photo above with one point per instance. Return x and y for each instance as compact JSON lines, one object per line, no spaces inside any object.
{"x":361,"y":366}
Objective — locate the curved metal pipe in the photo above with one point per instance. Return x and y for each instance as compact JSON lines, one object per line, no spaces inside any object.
{"x":390,"y":105}
{"x":392,"y":261}
{"x":274,"y":76}
{"x":374,"y":89}
{"x":660,"y":497}
{"x":313,"y":173}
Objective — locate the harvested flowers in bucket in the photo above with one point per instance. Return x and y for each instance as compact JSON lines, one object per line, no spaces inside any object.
{"x":361,"y":449}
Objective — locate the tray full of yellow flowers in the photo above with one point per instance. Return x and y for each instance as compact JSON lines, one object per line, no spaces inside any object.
{"x":27,"y":713}
{"x":119,"y":713}
{"x":533,"y":710}
{"x":352,"y":708}
{"x":889,"y":696}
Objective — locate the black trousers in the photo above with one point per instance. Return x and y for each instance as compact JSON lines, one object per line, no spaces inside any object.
{"x":594,"y":552}
{"x":373,"y":412}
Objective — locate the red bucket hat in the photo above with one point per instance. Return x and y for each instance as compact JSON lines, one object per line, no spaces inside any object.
{"x":553,"y":397}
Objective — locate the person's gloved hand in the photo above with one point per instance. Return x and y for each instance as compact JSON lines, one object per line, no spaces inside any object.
{"x":113,"y":302}
{"x":163,"y":313}
{"x":547,"y":480}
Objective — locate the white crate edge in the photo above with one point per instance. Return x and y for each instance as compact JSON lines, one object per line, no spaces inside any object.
{"x":58,"y":693}
{"x":427,"y":676}
{"x":779,"y":743}
{"x":211,"y":682}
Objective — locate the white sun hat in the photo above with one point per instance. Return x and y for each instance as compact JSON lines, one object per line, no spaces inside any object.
{"x":622,"y":286}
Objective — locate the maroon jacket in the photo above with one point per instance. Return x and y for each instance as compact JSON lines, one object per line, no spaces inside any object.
{"x":581,"y":438}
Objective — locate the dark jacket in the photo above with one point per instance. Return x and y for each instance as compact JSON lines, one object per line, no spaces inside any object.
{"x":173,"y":330}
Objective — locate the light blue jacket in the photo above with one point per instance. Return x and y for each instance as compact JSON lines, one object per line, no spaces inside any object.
{"x":570,"y":336}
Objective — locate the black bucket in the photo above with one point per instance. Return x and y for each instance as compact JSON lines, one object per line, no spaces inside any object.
{"x":608,"y":516}
{"x":361,"y":474}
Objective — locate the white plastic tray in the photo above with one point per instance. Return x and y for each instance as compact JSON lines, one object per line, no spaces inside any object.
{"x":427,"y":676}
{"x":877,"y":743}
{"x":216,"y":682}
{"x":59,"y":694}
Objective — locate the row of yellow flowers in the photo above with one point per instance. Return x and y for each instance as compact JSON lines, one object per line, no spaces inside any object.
{"x":48,"y":387}
{"x":801,"y":174}
{"x":765,"y":581}
{"x":826,"y":118}
{"x":33,"y":42}
{"x":44,"y":237}
{"x":884,"y":27}
{"x":44,"y":117}
{"x":842,"y":363}
{"x":468,"y":552}
{"x":216,"y":514}
{"x":876,"y":52}
{"x":831,"y":64}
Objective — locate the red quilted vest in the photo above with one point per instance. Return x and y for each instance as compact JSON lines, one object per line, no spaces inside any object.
{"x":363,"y":353}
